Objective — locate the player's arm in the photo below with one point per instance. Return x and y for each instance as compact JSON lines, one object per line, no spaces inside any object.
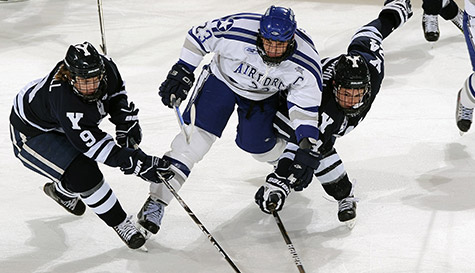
{"x":199,"y":41}
{"x":80,"y":127}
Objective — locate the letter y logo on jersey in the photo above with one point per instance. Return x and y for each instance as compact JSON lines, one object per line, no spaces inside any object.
{"x":74,"y":118}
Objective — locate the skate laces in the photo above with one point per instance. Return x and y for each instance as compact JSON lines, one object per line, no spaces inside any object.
{"x":458,"y":20}
{"x":465,"y":113}
{"x":126,"y":229}
{"x":66,"y":201}
{"x":70,"y":204}
{"x":153,"y":212}
{"x":347,"y":203}
{"x":431,"y":23}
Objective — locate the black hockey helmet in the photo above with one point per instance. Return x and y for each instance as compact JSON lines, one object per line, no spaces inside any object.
{"x":351,"y":72}
{"x":83,"y":60}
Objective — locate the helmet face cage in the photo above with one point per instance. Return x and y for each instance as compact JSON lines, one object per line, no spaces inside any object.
{"x":277,"y":27}
{"x":87,"y":71}
{"x":351,"y":72}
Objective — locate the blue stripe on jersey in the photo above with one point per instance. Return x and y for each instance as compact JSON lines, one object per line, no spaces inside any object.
{"x":190,"y":33}
{"x":310,"y":64}
{"x":237,"y":38}
{"x":245,"y":32}
{"x":310,"y":109}
{"x":306,"y":131}
{"x":305,"y":37}
{"x":244,"y":15}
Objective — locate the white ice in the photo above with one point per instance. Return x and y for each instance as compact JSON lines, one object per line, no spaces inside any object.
{"x":415,"y":173}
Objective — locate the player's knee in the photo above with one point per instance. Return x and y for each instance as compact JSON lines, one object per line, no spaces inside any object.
{"x":271,"y":156}
{"x":191,"y":153}
{"x":82,"y":175}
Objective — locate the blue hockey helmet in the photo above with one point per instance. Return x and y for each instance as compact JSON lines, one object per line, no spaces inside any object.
{"x":277,"y":30}
{"x":84,"y":62}
{"x":278,"y":24}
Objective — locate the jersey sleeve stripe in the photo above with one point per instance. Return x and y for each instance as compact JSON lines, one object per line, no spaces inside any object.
{"x":197,"y":41}
{"x":370,"y":32}
{"x":305,"y":37}
{"x":101,"y":149}
{"x":240,"y":38}
{"x":248,"y":16}
{"x":310,"y":65}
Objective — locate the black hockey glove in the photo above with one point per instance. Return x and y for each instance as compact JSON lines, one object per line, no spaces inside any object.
{"x":271,"y":196}
{"x":127,"y":129}
{"x":147,"y":167}
{"x":175,"y":88}
{"x":305,"y":163}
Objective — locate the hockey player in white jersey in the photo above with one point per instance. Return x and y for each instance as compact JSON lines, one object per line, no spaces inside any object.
{"x":466,"y":95}
{"x":255,"y":57}
{"x":351,"y":82}
{"x":54,"y":125}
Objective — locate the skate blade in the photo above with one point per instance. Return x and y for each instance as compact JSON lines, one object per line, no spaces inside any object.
{"x":147,"y":234}
{"x":143,"y":249}
{"x":461,"y":133}
{"x":350,"y":224}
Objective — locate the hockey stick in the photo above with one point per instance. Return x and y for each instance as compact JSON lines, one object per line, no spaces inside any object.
{"x":181,"y":122}
{"x":101,"y":24}
{"x":197,"y":221}
{"x":287,"y":240}
{"x":193,"y":216}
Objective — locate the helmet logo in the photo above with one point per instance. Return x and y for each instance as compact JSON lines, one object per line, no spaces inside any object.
{"x":354,"y":60}
{"x":84,"y":48}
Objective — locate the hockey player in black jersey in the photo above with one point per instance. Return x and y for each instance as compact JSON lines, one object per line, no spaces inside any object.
{"x":54,"y":130}
{"x":351,"y":82}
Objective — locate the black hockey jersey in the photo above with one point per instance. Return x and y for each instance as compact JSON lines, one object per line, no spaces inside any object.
{"x":49,"y":105}
{"x":333,"y":123}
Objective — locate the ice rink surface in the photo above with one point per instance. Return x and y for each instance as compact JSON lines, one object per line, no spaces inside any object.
{"x":415,"y":173}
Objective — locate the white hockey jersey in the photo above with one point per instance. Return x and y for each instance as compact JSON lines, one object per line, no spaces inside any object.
{"x":237,"y":63}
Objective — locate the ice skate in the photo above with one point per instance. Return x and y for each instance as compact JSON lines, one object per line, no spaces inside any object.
{"x":150,"y":217}
{"x":129,"y":233}
{"x":73,"y":205}
{"x":458,"y":20}
{"x":463,"y":116}
{"x":347,"y":211}
{"x":430,"y":25}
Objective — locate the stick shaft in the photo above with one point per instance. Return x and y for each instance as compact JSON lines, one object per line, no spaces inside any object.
{"x":200,"y":225}
{"x":287,"y":240}
{"x":101,"y":25}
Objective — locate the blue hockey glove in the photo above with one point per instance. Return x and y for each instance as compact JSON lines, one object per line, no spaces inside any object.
{"x":175,"y":88}
{"x":271,"y":196}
